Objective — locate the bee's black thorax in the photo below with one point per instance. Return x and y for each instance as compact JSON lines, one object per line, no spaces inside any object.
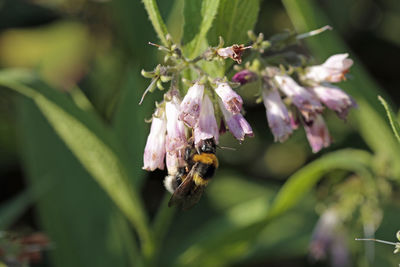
{"x":205,"y":165}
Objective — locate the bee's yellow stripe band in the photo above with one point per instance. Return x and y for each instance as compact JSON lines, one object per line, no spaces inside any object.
{"x":199,"y":181}
{"x":206,"y":158}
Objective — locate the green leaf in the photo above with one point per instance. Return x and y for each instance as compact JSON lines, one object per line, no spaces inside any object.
{"x":176,"y":20}
{"x":92,"y":144}
{"x":12,"y":209}
{"x":199,"y":16}
{"x":129,"y":121}
{"x":192,"y":20}
{"x":238,"y":202}
{"x":300,"y":183}
{"x":76,"y":213}
{"x":81,"y":100}
{"x":379,"y":137}
{"x":392,"y":118}
{"x":233,"y":235}
{"x":234,"y":19}
{"x":156,"y":20}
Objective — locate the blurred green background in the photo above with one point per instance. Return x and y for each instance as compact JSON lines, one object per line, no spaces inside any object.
{"x":101,"y":45}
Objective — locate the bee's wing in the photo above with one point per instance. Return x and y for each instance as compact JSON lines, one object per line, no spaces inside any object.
{"x":193,"y":197}
{"x":181,"y":193}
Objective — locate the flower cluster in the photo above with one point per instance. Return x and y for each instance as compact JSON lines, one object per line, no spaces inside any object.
{"x":175,"y":117}
{"x":289,"y":103}
{"x":206,"y":107}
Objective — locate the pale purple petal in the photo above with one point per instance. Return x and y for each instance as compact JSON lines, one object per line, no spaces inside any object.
{"x":332,"y":70}
{"x":191,"y":105}
{"x":323,"y":235}
{"x":234,"y":52}
{"x":317,"y":134}
{"x":304,"y":100}
{"x":329,"y":240}
{"x":174,"y":161}
{"x":338,"y":61}
{"x":277,"y":115}
{"x":226,"y":52}
{"x":222,"y":127}
{"x":239,"y":127}
{"x":334,"y":98}
{"x":244,"y":76}
{"x":237,"y":124}
{"x":154,"y":151}
{"x":294,"y":121}
{"x":207,"y":127}
{"x":232,"y":101}
{"x":176,"y":136}
{"x":340,"y":254}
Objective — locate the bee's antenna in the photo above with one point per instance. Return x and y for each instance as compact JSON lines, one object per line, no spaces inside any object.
{"x":227,"y":148}
{"x":376,"y":240}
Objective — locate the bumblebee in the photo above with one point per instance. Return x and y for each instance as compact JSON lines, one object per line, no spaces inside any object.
{"x":201,"y":163}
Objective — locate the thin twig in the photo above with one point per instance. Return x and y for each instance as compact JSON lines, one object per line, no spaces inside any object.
{"x":376,"y":240}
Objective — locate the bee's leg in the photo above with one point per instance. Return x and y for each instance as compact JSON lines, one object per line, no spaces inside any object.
{"x":189,"y":153}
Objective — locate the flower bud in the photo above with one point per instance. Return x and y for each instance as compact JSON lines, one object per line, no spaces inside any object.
{"x":159,"y":85}
{"x":165,"y":79}
{"x":147,"y":74}
{"x":244,"y":76}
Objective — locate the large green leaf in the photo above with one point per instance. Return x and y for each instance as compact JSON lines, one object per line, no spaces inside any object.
{"x":234,"y":19}
{"x":199,"y":16}
{"x":300,"y":183}
{"x":91,"y":143}
{"x":129,"y":121}
{"x":75,"y":212}
{"x":12,"y":209}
